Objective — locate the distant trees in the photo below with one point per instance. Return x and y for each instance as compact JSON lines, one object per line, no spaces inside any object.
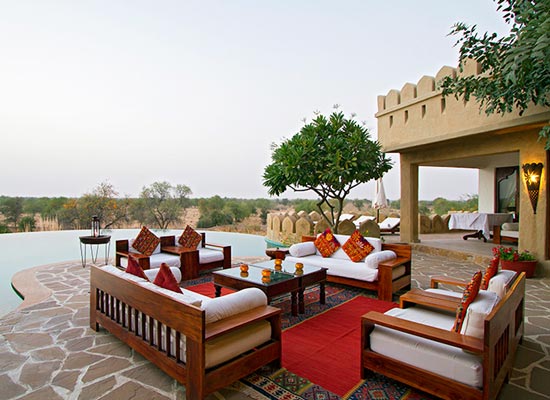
{"x":161,"y":204}
{"x":217,"y":211}
{"x":329,"y":156}
{"x":102,"y":202}
{"x":11,"y":208}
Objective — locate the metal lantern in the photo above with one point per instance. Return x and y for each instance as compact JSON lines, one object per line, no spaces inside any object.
{"x":96,"y":230}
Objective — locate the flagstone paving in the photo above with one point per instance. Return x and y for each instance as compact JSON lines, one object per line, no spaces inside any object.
{"x":48,"y":351}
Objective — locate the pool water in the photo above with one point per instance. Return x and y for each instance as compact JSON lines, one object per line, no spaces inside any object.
{"x":19,"y":251}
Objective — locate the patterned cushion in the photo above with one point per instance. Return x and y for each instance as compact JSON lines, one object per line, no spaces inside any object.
{"x":470,"y":292}
{"x":326,"y":243}
{"x":146,"y":242}
{"x":491,"y":271}
{"x":134,"y":268}
{"x":166,"y":279}
{"x":190,"y":238}
{"x":357,"y":247}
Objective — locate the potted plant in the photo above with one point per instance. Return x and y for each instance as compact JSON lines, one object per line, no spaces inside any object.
{"x":513,"y":260}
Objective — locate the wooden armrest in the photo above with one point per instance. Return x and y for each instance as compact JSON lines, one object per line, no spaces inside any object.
{"x":424,"y":298}
{"x":220,"y":246}
{"x":137,"y":256}
{"x":436,"y":280}
{"x":396,"y":262}
{"x":234,"y":322}
{"x":464,"y":342}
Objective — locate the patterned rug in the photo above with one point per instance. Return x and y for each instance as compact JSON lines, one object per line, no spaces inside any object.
{"x":269,"y":383}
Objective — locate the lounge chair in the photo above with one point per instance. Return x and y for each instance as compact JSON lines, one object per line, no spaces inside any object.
{"x":363,"y":218}
{"x":390,"y":225}
{"x":509,"y":232}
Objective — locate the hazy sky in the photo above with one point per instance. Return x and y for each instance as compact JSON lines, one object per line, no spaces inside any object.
{"x":195,"y":92}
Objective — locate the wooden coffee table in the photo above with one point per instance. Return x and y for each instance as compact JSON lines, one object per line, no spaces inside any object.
{"x":279,"y":284}
{"x":311,"y":275}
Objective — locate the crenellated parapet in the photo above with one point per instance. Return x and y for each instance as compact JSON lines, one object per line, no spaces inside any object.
{"x":418,"y":114}
{"x":285,"y":229}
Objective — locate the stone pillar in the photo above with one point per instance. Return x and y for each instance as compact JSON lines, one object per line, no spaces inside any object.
{"x":409,"y":201}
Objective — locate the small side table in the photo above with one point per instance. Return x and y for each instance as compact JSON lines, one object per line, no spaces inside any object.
{"x":94,"y":241}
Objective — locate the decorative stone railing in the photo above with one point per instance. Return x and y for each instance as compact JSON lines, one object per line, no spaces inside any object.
{"x":284,"y":229}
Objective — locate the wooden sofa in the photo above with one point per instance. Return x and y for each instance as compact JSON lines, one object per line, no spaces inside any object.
{"x":189,"y":260}
{"x":387,"y":283}
{"x":505,"y":235}
{"x":502,"y":332}
{"x":155,"y":324}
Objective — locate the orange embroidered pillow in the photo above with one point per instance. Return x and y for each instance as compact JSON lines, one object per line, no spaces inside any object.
{"x":134,"y":268}
{"x":166,"y":279}
{"x":190,"y":238}
{"x":491,"y":271}
{"x":146,"y":242}
{"x":326,"y":243}
{"x":470,"y":292}
{"x":357,"y":247}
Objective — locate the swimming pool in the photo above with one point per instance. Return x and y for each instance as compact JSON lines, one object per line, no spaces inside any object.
{"x":19,"y":251}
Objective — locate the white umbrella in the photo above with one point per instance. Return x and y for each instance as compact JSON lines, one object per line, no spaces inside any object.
{"x":380,"y":200}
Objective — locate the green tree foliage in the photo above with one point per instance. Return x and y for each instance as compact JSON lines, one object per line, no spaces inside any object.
{"x":515,"y":68}
{"x":161,"y":204}
{"x":329,"y":156}
{"x":442,"y":206}
{"x":214,"y":218}
{"x":221,"y":211}
{"x":305,"y":205}
{"x":45,"y":206}
{"x":12,"y":209}
{"x":27,"y":224}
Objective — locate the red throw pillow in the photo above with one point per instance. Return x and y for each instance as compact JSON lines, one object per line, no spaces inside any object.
{"x":326,"y":243}
{"x":166,"y":279}
{"x":470,"y":292}
{"x":134,"y":268}
{"x":146,"y":242}
{"x":491,"y":271}
{"x":190,"y":238}
{"x":357,"y":247}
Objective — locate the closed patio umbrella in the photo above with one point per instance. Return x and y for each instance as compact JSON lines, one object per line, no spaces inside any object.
{"x":380,"y":200}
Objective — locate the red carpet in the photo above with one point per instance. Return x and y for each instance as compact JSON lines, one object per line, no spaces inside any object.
{"x":207,"y":289}
{"x":326,"y":349}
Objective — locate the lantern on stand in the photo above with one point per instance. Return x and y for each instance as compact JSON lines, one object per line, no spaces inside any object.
{"x":96,"y":230}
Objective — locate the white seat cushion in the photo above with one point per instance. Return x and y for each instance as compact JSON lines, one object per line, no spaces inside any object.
{"x":429,"y":355}
{"x":339,"y":267}
{"x":208,"y":255}
{"x":375,"y":258}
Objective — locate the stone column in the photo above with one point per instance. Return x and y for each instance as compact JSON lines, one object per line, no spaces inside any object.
{"x":409,"y":201}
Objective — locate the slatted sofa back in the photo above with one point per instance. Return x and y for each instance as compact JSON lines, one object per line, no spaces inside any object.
{"x":139,"y":317}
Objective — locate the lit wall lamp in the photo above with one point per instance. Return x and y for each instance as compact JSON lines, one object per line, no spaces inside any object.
{"x":531,"y":176}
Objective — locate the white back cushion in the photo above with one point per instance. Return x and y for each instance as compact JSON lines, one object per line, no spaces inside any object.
{"x":500,"y":282}
{"x":474,"y":322}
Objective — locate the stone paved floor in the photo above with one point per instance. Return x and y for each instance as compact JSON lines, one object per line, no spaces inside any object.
{"x":47,"y":351}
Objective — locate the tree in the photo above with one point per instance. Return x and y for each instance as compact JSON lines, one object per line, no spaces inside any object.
{"x":329,"y":156}
{"x":515,"y":69}
{"x":27,"y":224}
{"x":103,"y":203}
{"x":12,"y":208}
{"x":163,"y":203}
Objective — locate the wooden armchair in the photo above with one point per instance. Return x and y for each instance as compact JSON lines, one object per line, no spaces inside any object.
{"x":205,"y":257}
{"x":503,"y":330}
{"x":122,"y":252}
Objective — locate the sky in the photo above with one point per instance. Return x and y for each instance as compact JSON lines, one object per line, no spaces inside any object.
{"x":196,"y":92}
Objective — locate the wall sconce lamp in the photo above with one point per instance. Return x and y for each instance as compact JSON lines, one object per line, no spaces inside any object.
{"x":531,"y":175}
